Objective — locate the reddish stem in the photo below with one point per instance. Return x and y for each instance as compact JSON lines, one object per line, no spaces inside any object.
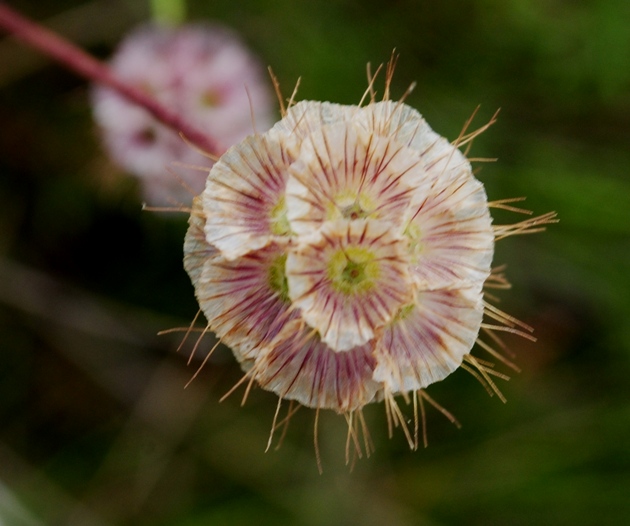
{"x":87,"y":66}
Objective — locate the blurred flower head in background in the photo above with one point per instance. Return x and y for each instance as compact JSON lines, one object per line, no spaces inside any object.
{"x":201,"y":71}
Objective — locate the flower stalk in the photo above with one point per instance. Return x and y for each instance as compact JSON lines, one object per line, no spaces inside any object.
{"x":169,"y":11}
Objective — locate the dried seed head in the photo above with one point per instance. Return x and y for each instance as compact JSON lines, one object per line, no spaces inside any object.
{"x":343,"y":255}
{"x":336,"y":220}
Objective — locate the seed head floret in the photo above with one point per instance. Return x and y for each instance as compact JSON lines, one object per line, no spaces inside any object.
{"x":349,"y":279}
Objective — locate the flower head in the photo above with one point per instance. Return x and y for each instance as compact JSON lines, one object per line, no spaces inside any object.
{"x":204,"y":73}
{"x":343,"y":256}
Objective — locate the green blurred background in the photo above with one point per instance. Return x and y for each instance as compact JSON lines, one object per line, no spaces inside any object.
{"x":95,"y":425}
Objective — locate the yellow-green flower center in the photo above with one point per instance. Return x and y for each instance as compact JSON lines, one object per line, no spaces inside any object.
{"x":353,"y":270}
{"x":353,"y":211}
{"x":404,"y":312}
{"x":210,"y":99}
{"x":416,"y":246}
{"x":351,"y":205}
{"x":279,"y":223}
{"x":278,"y":278}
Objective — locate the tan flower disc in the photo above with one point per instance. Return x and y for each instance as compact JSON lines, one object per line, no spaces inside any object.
{"x":349,"y":279}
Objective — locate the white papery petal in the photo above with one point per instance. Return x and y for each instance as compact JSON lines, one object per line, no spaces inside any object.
{"x":306,"y":116}
{"x":342,"y":171}
{"x":196,"y":249}
{"x":299,"y":366}
{"x":403,"y":124}
{"x":244,"y":191}
{"x":240,"y":304}
{"x":238,"y":297}
{"x":450,"y":232}
{"x":429,"y":339}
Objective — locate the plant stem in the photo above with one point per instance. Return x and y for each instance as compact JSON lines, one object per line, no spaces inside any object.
{"x":87,"y":66}
{"x":169,"y":11}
